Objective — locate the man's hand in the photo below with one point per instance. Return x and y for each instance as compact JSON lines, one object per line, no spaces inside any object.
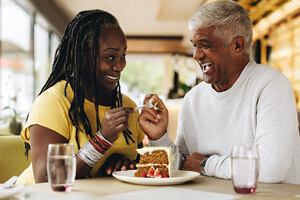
{"x":154,"y":122}
{"x":192,"y":162}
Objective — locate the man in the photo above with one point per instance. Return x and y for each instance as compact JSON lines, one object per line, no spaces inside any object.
{"x":239,"y":102}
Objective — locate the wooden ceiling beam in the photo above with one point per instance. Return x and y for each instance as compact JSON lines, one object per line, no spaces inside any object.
{"x":53,"y":14}
{"x":263,"y":9}
{"x":156,"y":45}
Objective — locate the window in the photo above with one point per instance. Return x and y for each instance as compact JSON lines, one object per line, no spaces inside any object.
{"x":142,"y":75}
{"x":41,"y":57}
{"x":16,"y":61}
{"x":26,"y":46}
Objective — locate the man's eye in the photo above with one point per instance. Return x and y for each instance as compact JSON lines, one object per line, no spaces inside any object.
{"x":205,"y":46}
{"x":124,"y":56}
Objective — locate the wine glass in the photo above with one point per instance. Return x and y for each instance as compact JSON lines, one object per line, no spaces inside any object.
{"x":244,"y":168}
{"x":61,"y":166}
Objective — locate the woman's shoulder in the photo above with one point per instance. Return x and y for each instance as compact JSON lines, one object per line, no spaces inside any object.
{"x":54,"y":95}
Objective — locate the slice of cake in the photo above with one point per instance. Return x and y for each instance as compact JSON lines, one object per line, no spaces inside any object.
{"x":155,"y":162}
{"x":156,"y":104}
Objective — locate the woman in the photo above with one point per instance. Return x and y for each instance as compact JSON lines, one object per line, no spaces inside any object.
{"x":81,"y":102}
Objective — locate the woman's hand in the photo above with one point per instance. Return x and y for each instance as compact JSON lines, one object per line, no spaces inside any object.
{"x":114,"y":122}
{"x":116,"y":162}
{"x":154,"y":122}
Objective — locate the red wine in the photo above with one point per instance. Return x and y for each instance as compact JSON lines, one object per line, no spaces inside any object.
{"x":244,"y":190}
{"x":62,"y":188}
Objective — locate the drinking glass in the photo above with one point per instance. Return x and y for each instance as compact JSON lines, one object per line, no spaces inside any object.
{"x":244,"y":168}
{"x":61,"y":166}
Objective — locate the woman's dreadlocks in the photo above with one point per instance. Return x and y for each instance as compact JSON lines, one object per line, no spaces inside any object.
{"x":81,"y":36}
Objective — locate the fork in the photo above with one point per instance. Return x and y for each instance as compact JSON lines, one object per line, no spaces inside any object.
{"x":149,"y":104}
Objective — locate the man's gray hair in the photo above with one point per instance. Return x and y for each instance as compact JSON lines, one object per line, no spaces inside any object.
{"x":230,"y":19}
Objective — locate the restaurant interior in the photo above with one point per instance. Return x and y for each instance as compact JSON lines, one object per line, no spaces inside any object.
{"x":159,"y":55}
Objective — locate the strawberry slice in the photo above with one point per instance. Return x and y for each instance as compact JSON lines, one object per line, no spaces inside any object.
{"x":165,"y":176}
{"x":157,"y":173}
{"x":151,"y":172}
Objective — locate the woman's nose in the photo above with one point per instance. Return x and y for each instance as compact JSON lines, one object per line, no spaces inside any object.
{"x":119,"y":66}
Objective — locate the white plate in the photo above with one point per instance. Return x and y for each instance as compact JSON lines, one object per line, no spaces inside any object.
{"x":178,"y":176}
{"x":10,"y":192}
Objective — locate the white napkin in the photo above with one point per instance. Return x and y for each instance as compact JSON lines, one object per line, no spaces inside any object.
{"x":11,"y":191}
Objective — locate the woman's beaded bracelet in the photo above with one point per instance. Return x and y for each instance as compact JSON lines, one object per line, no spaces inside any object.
{"x":94,"y":149}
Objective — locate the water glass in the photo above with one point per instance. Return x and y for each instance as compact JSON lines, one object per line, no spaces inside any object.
{"x":61,"y":166}
{"x":244,"y":168}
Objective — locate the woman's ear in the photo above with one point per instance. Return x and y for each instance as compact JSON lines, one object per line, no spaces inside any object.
{"x":238,"y":45}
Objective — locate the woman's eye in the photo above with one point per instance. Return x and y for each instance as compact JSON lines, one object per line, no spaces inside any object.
{"x":110,"y":57}
{"x":124,"y":56}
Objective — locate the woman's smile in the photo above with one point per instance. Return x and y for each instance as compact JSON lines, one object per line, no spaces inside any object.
{"x":113,"y":77}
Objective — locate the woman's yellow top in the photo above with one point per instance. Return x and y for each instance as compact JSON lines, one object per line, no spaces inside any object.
{"x":51,"y":110}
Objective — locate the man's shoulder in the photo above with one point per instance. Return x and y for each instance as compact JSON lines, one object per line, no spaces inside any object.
{"x":264,"y":70}
{"x":197,"y":92}
{"x":265,"y":73}
{"x":199,"y":87}
{"x":262,"y":77}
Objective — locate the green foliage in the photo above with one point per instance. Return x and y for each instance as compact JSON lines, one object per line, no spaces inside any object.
{"x":13,"y":116}
{"x":146,"y":76}
{"x":184,"y":87}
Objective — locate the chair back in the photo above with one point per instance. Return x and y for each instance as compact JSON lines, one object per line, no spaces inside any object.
{"x":12,"y":157}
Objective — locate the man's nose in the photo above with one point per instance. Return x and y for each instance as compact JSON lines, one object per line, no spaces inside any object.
{"x":198,"y":54}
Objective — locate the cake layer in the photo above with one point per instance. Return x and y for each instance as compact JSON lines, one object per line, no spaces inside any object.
{"x":155,"y":157}
{"x":142,"y":171}
{"x":160,"y":159}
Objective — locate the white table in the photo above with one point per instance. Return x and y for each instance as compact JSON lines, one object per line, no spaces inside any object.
{"x":199,"y":188}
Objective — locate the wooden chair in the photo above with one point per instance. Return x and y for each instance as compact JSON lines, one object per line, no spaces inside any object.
{"x":173,"y":121}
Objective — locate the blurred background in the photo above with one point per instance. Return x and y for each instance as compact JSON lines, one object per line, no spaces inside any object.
{"x":159,"y":56}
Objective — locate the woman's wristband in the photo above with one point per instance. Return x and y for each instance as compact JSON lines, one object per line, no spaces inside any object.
{"x":94,"y":149}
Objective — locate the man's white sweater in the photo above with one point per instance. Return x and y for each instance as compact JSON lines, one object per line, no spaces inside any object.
{"x":258,"y":109}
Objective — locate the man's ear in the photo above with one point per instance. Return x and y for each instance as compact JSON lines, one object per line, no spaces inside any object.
{"x":238,"y":45}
